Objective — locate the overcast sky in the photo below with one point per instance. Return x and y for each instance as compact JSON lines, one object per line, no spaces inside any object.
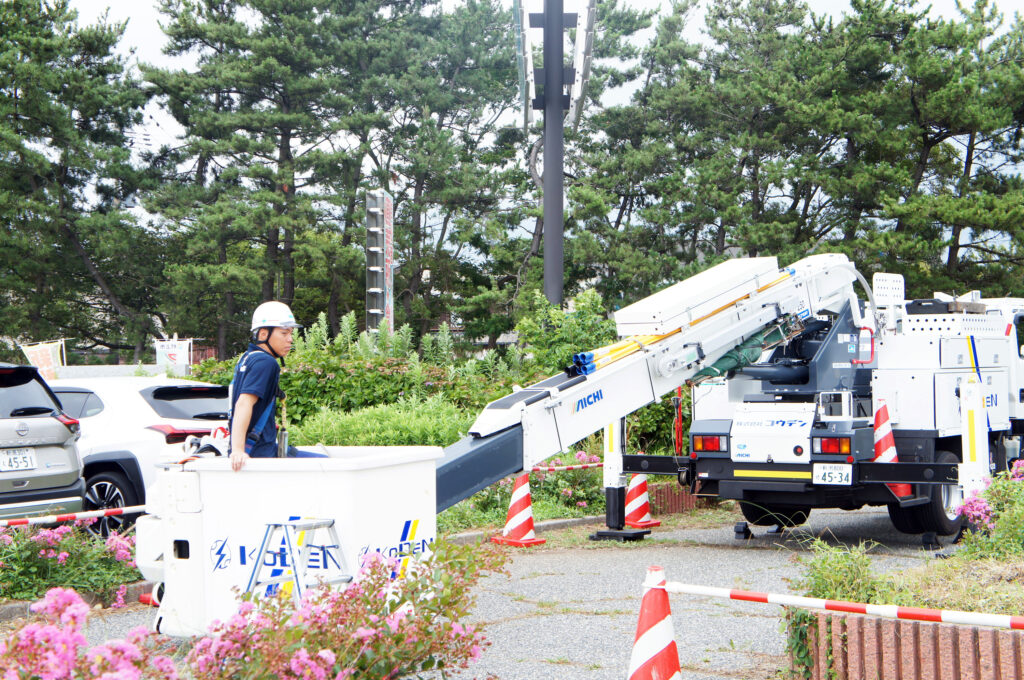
{"x":144,"y":36}
{"x":143,"y":32}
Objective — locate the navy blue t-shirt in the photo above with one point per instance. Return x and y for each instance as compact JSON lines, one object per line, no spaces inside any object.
{"x":257,"y":373}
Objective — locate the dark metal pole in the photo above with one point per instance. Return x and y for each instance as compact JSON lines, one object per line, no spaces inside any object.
{"x":554,"y":149}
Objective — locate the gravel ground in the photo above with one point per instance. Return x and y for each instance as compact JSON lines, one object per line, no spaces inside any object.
{"x":571,"y":612}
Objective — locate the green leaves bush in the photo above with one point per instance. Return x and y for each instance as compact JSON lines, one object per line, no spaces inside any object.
{"x":552,"y":335}
{"x":33,"y":560}
{"x":408,"y":422}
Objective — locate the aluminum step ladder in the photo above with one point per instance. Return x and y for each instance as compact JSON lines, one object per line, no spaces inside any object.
{"x":297,"y":556}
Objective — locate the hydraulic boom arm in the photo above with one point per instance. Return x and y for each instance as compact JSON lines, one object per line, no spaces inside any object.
{"x":716,"y":320}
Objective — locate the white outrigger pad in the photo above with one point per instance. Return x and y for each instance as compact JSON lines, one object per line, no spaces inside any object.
{"x":205,"y":522}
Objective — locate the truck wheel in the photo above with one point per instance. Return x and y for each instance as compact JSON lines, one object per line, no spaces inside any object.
{"x":940,"y":513}
{"x":905,"y":519}
{"x":764,"y":515}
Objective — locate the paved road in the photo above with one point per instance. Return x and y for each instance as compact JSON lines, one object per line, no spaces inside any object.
{"x":571,"y":612}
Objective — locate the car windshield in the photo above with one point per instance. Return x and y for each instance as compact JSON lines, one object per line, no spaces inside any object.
{"x":23,"y":394}
{"x":191,"y":402}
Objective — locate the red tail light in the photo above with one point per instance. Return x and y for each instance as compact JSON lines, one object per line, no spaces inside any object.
{"x":69,"y":422}
{"x":710,"y":443}
{"x":837,"y":445}
{"x":174,"y":435}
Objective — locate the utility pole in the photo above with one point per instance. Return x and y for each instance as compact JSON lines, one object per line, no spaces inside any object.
{"x":554,"y":101}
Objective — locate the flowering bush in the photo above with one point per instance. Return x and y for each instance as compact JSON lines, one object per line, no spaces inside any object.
{"x":32,"y":560}
{"x":378,"y":627}
{"x":53,"y":646}
{"x":998,"y":516}
{"x":571,"y":488}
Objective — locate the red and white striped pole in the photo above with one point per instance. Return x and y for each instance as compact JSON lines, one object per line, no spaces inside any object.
{"x":71,"y":517}
{"x":889,"y":611}
{"x":562,"y":468}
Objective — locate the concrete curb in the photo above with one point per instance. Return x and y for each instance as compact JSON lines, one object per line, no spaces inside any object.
{"x":20,"y":609}
{"x":539,"y":527}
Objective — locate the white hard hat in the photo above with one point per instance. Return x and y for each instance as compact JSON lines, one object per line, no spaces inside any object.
{"x":273,"y":314}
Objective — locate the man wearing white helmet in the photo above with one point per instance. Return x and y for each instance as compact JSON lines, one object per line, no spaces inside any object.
{"x":254,"y":388}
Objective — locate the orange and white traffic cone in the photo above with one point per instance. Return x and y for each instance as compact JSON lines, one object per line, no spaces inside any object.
{"x":885,"y":448}
{"x":518,"y":529}
{"x":655,"y":656}
{"x":638,"y":505}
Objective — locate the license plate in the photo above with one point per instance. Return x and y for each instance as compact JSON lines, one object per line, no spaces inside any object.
{"x":836,"y":474}
{"x":12,"y":460}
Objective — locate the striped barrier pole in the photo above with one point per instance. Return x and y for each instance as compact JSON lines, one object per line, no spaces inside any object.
{"x":57,"y":519}
{"x":889,"y":611}
{"x":561,"y":468}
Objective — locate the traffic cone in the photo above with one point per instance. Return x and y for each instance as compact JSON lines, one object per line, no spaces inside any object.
{"x":518,"y":529}
{"x":655,"y":656}
{"x":885,"y":448}
{"x":638,"y":505}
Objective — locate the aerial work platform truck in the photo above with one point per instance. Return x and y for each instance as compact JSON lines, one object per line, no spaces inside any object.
{"x":790,"y":370}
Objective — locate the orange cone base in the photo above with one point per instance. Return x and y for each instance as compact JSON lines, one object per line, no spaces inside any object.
{"x":517,"y":542}
{"x":643,"y":524}
{"x":901,"y":490}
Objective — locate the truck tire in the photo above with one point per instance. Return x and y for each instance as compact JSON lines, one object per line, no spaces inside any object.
{"x":940,"y":513}
{"x":905,"y":520}
{"x":765,"y":515}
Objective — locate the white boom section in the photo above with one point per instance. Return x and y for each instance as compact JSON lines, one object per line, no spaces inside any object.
{"x":706,"y":316}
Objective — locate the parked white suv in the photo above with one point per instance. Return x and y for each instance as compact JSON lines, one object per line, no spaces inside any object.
{"x":131,"y":424}
{"x":40,"y":469}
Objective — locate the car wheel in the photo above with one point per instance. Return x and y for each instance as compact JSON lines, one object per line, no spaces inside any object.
{"x":106,"y":490}
{"x":766,"y":515}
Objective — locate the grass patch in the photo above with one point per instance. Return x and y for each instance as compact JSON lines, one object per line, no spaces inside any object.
{"x":962,"y":582}
{"x":991,"y":586}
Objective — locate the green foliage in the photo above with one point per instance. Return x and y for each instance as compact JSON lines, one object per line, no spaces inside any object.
{"x":650,"y":429}
{"x":801,"y":628}
{"x":73,"y":262}
{"x":444,"y":346}
{"x":998,"y":518}
{"x":844,"y":573}
{"x":553,"y":335}
{"x":33,"y":560}
{"x":407,"y":422}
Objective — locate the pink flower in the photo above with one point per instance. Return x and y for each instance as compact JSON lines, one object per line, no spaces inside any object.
{"x":581,"y":504}
{"x":364,"y":633}
{"x":5,"y":538}
{"x":1017,"y":471}
{"x":977,"y":511}
{"x":566,"y":492}
{"x":64,"y":605}
{"x":62,"y":557}
{"x":556,"y":461}
{"x":119,"y":598}
{"x":594,"y":459}
{"x":121,"y":546}
{"x":581,"y":456}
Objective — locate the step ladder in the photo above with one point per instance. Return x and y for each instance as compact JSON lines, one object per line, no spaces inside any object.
{"x":297,"y":556}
